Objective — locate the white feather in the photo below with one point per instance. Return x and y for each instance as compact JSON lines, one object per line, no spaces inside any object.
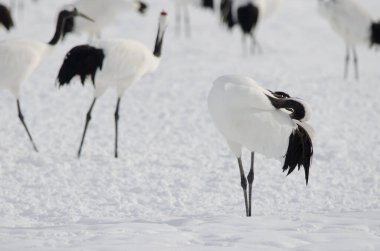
{"x":126,"y":61}
{"x":244,"y":115}
{"x":348,"y":19}
{"x":19,"y":58}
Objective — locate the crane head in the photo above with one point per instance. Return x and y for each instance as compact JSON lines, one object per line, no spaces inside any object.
{"x":142,"y":7}
{"x":67,"y":16}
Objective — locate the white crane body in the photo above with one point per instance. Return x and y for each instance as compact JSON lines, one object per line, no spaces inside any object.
{"x":348,"y":19}
{"x":104,"y":12}
{"x":247,"y":118}
{"x":19,"y":58}
{"x":353,"y":24}
{"x":270,"y":123}
{"x":125,"y":62}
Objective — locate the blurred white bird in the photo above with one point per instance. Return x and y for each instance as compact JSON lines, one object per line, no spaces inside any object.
{"x":104,"y":12}
{"x":270,"y":123}
{"x":18,"y":6}
{"x":353,"y":24}
{"x":247,"y":14}
{"x":115,"y":63}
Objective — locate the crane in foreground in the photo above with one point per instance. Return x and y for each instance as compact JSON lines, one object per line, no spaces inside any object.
{"x":265,"y":122}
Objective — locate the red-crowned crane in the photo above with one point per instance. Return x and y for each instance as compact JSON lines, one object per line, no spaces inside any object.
{"x":353,"y":24}
{"x":266,"y":122}
{"x":20,"y":57}
{"x":247,"y":14}
{"x":115,"y":63}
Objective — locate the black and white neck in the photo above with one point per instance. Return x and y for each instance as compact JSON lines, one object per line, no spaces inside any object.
{"x":62,"y":17}
{"x":160,"y":34}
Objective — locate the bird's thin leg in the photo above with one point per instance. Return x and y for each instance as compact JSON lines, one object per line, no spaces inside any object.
{"x":347,"y":62}
{"x":243,"y":184}
{"x":250,"y":178}
{"x":255,"y":44}
{"x":116,"y":124}
{"x":356,"y":62}
{"x":21,"y":117}
{"x":187,"y":21}
{"x":88,"y":118}
{"x":243,"y":45}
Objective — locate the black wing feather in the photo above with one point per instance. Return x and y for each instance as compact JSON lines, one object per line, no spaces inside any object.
{"x":375,"y":33}
{"x":82,"y":61}
{"x":248,"y":16}
{"x":5,"y":17}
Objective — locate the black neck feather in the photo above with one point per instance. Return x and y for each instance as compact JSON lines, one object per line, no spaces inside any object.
{"x":297,"y":109}
{"x":158,"y":45}
{"x":58,"y":30}
{"x":226,"y":12}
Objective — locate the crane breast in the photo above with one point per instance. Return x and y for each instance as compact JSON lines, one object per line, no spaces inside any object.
{"x":126,"y":59}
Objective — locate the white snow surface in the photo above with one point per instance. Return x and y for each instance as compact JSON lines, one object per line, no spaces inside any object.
{"x":176,"y":186}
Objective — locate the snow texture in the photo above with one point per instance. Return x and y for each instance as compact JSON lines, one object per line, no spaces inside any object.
{"x":176,"y":186}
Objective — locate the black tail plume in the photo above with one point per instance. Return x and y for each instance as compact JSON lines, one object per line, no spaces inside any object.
{"x":5,"y":17}
{"x":248,"y":16}
{"x":375,"y":34}
{"x":82,"y":60}
{"x":300,"y":152}
{"x":208,"y":4}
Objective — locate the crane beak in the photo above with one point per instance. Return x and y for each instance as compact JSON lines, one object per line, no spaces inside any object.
{"x":80,"y":14}
{"x":85,"y":17}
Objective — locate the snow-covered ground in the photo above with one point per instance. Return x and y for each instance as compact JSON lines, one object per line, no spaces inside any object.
{"x":175,"y":185}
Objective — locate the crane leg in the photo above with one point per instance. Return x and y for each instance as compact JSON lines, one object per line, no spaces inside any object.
{"x":356,"y":63}
{"x":255,"y":46}
{"x":346,"y":62}
{"x":250,"y":178}
{"x":21,"y":117}
{"x":88,"y":118}
{"x":116,"y":125}
{"x":243,"y":184}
